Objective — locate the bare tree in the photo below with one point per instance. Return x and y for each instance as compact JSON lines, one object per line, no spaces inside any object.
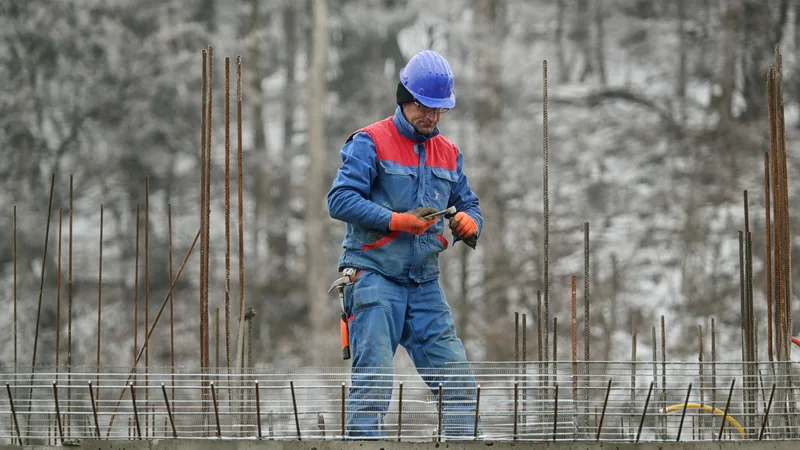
{"x":315,"y":187}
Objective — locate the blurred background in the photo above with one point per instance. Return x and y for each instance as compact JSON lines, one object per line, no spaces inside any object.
{"x":657,"y":123}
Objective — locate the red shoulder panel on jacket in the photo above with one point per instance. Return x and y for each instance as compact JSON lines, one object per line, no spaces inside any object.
{"x":442,"y":153}
{"x":390,"y":144}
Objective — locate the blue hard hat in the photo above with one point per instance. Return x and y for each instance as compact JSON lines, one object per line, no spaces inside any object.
{"x":429,"y":78}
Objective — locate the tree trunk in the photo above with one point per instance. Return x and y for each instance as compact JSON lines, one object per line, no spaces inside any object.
{"x":727,"y":79}
{"x":563,"y":68}
{"x":581,"y":35}
{"x":315,"y":188}
{"x":680,"y":88}
{"x":599,"y":48}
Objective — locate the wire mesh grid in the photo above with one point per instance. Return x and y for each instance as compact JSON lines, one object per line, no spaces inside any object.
{"x":535,"y":401}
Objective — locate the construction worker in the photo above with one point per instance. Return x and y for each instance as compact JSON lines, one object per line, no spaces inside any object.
{"x":394,"y":173}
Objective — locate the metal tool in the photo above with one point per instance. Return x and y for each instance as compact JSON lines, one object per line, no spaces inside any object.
{"x":340,"y":283}
{"x":445,"y":212}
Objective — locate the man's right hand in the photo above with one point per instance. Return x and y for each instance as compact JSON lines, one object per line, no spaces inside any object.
{"x":411,"y":221}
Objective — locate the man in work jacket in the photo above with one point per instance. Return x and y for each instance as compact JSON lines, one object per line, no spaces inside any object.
{"x":393,"y":173}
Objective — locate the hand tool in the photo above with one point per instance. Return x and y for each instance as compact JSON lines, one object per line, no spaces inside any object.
{"x":445,"y":212}
{"x":340,"y":283}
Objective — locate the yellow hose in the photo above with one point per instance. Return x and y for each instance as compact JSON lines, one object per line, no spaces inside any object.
{"x":709,"y":409}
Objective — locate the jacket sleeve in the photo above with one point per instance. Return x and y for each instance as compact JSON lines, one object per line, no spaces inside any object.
{"x":463,"y":198}
{"x":348,"y":199}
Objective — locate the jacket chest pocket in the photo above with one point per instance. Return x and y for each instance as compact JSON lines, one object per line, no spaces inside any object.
{"x":442,"y":183}
{"x":398,"y":185}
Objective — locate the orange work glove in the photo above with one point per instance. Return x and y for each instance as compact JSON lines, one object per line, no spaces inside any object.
{"x":411,"y":221}
{"x":463,"y":226}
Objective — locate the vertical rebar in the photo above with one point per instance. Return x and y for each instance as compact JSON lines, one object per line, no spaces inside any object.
{"x":664,"y":376}
{"x":644,"y":412}
{"x":683,"y":413}
{"x":171,"y":302}
{"x":135,"y":411}
{"x":69,"y":311}
{"x":99,"y":300}
{"x":239,"y":174}
{"x":14,"y":245}
{"x":169,"y":410}
{"x":216,"y":339}
{"x":574,"y":342}
{"x":94,"y":409}
{"x":258,"y":410}
{"x":294,"y":408}
{"x":633,"y":372}
{"x":477,"y":411}
{"x":539,"y":324}
{"x":439,"y":411}
{"x":516,"y":340}
{"x":58,"y":413}
{"x":58,"y":299}
{"x":203,"y":126}
{"x":228,"y":214}
{"x":603,"y":413}
{"x":136,"y":294}
{"x":399,"y":412}
{"x":742,"y":299}
{"x":768,"y":259}
{"x":555,"y":410}
{"x":209,"y":144}
{"x":516,"y":408}
{"x":702,"y":376}
{"x":713,"y":363}
{"x":766,"y":413}
{"x":725,"y":413}
{"x":546,"y":208}
{"x":555,"y":345}
{"x":14,"y":414}
{"x":146,"y":297}
{"x":586,"y":324}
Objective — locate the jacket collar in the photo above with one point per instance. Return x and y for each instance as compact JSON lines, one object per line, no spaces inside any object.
{"x":407,"y":130}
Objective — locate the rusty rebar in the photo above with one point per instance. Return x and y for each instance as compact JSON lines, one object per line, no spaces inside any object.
{"x":146,"y":296}
{"x":58,"y":298}
{"x":603,"y":412}
{"x":203,"y":126}
{"x":546,"y":208}
{"x":58,"y":412}
{"x":169,"y":410}
{"x":258,"y":410}
{"x":399,"y":411}
{"x":14,"y":245}
{"x":135,"y":411}
{"x":776,"y":208}
{"x":683,"y":413}
{"x":216,"y":338}
{"x":725,"y":413}
{"x":136,"y":292}
{"x":516,"y":339}
{"x":664,"y":375}
{"x":516,"y":408}
{"x":41,"y":280}
{"x":713,"y":363}
{"x":477,"y":410}
{"x":294,"y":408}
{"x":539,"y":324}
{"x":766,"y":413}
{"x":14,"y":415}
{"x":439,"y":410}
{"x":742,"y":299}
{"x":644,"y":412}
{"x":586,"y":323}
{"x":555,"y":409}
{"x":99,"y":300}
{"x":216,"y":408}
{"x":69,"y":311}
{"x":240,"y":199}
{"x":171,"y":302}
{"x":555,"y":344}
{"x":574,"y":326}
{"x":94,"y":410}
{"x":155,"y":321}
{"x":768,"y":259}
{"x":209,"y":144}
{"x":634,"y":334}
{"x":228,"y":213}
{"x":701,"y":369}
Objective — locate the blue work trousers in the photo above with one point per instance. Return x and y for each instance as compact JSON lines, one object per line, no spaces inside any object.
{"x":383,"y":314}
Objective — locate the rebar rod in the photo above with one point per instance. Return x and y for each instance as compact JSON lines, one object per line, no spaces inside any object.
{"x":203,"y":120}
{"x":644,"y":412}
{"x":574,"y":342}
{"x":228,"y":213}
{"x":14,"y":414}
{"x":766,"y":413}
{"x":171,"y":302}
{"x":555,"y":411}
{"x":603,"y":413}
{"x":768,"y":259}
{"x":135,"y":411}
{"x":439,"y":414}
{"x":69,"y":310}
{"x":209,"y":144}
{"x":683,"y":412}
{"x":216,"y":408}
{"x":58,"y":413}
{"x":136,"y":293}
{"x":344,"y":412}
{"x":546,"y":207}
{"x":725,"y":413}
{"x":14,"y":245}
{"x":94,"y":410}
{"x":516,"y":408}
{"x":477,"y":410}
{"x":99,"y":301}
{"x":586,"y":323}
{"x":169,"y":410}
{"x":258,"y":410}
{"x":294,"y":408}
{"x":58,"y":298}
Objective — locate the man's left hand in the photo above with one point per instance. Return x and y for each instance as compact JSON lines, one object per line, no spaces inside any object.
{"x":463,"y":226}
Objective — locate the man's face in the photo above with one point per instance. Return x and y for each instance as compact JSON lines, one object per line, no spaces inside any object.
{"x":422,"y":118}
